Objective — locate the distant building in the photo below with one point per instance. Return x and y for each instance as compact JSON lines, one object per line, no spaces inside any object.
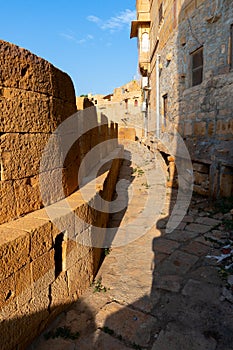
{"x":123,"y":106}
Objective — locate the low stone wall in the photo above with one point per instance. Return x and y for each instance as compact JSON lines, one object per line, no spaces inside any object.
{"x":44,"y":268}
{"x":130,"y":117}
{"x":127,"y":133}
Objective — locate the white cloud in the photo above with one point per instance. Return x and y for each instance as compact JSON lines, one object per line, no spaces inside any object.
{"x":94,"y":19}
{"x":114,"y":23}
{"x":72,"y":37}
{"x":68,"y":36}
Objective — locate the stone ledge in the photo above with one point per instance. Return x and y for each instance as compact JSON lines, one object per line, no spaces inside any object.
{"x":28,"y":247}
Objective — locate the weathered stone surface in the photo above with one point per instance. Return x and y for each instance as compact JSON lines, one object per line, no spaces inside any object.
{"x":40,"y":233}
{"x":165,"y":245}
{"x":105,"y":342}
{"x":176,"y":339}
{"x":7,"y":201}
{"x":25,"y":104}
{"x":181,"y":236}
{"x":130,"y":324}
{"x":27,"y":196}
{"x":14,"y":251}
{"x":178,"y":262}
{"x":35,"y":98}
{"x":203,"y":291}
{"x":7,"y":290}
{"x":32,"y":73}
{"x":54,"y":344}
{"x":43,"y":270}
{"x":59,"y":290}
{"x":196,"y":248}
{"x":127,"y":133}
{"x":171,"y":283}
{"x":198,"y":228}
{"x":208,"y":221}
{"x":23,"y":283}
{"x":31,"y":148}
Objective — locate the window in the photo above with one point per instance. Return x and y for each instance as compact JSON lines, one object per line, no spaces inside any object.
{"x":165,"y":109}
{"x":135,"y":103}
{"x":160,"y":13}
{"x":126,"y":103}
{"x":197,"y":66}
{"x":231,"y":48}
{"x":145,"y":42}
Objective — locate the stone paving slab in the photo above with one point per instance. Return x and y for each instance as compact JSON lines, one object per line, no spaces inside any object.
{"x":181,"y":236}
{"x":197,"y":248}
{"x":105,"y":341}
{"x":165,"y":246}
{"x":188,"y":339}
{"x":203,"y":291}
{"x":199,"y":228}
{"x":208,"y":221}
{"x":132,"y":325}
{"x":171,"y":283}
{"x":177,"y":263}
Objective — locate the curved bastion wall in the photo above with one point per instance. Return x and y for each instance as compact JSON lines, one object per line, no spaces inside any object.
{"x":35,"y":97}
{"x":44,"y":264}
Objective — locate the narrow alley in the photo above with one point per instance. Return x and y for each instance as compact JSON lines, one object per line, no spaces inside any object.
{"x":161,"y":290}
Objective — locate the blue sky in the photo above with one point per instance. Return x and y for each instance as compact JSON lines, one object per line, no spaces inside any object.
{"x":87,"y":39}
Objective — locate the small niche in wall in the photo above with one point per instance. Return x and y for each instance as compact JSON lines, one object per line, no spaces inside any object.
{"x":59,"y":256}
{"x":1,"y":170}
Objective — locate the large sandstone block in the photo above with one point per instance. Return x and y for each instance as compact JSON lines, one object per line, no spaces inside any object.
{"x":7,"y":201}
{"x":23,"y":285}
{"x":33,"y":73}
{"x":14,"y":250}
{"x":7,"y":290}
{"x":43,"y":271}
{"x":27,"y":195}
{"x":30,"y":147}
{"x":60,"y":110}
{"x":30,"y":72}
{"x":27,"y":106}
{"x":127,"y":133}
{"x":62,"y":86}
{"x":59,"y":291}
{"x":40,"y":233}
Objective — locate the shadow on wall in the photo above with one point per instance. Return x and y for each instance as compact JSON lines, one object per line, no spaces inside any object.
{"x":15,"y":330}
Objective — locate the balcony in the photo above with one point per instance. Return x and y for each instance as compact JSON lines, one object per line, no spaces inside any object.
{"x":144,"y":63}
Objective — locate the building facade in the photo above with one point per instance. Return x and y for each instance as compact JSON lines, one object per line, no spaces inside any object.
{"x":188,"y":79}
{"x":123,"y":105}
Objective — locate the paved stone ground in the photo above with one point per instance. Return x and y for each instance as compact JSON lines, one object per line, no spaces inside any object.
{"x":158,"y":292}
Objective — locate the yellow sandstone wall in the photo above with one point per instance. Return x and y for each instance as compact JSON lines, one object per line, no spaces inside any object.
{"x":43,"y":264}
{"x":202,"y":114}
{"x":35,"y":97}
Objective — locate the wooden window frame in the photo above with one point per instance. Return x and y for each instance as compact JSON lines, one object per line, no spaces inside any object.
{"x":165,"y":108}
{"x":231,"y":46}
{"x":197,"y":68}
{"x":161,"y":14}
